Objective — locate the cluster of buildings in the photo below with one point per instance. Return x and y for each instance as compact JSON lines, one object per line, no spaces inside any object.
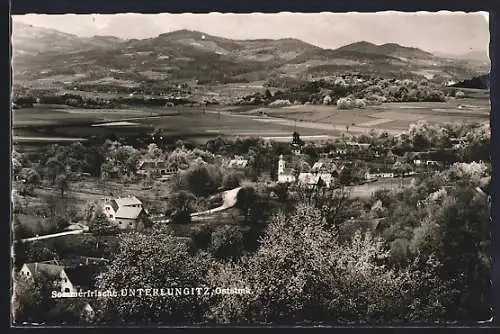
{"x":380,"y":165}
{"x":238,"y":163}
{"x":155,"y":168}
{"x":321,"y":173}
{"x":67,"y":279}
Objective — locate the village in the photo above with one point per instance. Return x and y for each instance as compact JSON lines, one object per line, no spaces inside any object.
{"x":346,"y":163}
{"x":303,"y":169}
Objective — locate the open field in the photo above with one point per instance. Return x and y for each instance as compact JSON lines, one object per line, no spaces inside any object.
{"x":368,"y":189}
{"x":388,"y":117}
{"x":315,"y":121}
{"x":43,"y":115}
{"x":183,"y":123}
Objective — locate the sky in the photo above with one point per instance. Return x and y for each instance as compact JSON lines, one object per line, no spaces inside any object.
{"x":444,"y":32}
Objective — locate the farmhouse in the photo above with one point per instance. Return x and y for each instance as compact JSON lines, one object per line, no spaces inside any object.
{"x":125,"y":212}
{"x":315,"y":179}
{"x":70,"y":280}
{"x":360,"y":146}
{"x":373,"y":176}
{"x":322,"y":172}
{"x":433,"y":163}
{"x":51,"y":272}
{"x":458,"y":142}
{"x":237,"y":163}
{"x":325,"y":166}
{"x":154,"y":167}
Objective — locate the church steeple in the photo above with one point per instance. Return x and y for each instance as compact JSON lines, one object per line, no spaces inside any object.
{"x":281,"y":165}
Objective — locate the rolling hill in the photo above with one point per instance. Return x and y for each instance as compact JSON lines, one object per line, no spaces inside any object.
{"x":47,"y":57}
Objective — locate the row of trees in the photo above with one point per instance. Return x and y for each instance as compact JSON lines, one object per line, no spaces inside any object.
{"x":371,"y":88}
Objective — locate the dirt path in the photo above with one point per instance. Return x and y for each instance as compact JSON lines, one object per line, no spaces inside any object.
{"x":50,"y":236}
{"x":229,"y":200}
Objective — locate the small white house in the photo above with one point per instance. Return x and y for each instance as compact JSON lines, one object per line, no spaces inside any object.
{"x":124,"y":212}
{"x":373,"y":176}
{"x":237,"y":163}
{"x":312,"y":179}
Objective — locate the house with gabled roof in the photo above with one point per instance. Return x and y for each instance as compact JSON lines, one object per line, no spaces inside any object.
{"x":68,"y":280}
{"x":51,"y":272}
{"x":237,"y":163}
{"x":124,"y":212}
{"x":154,"y":167}
{"x":325,"y":166}
{"x":325,"y":170}
{"x":312,"y":180}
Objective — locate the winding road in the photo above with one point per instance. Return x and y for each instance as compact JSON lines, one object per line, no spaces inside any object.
{"x":229,"y":197}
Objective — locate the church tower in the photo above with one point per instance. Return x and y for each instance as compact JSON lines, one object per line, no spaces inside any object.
{"x":281,"y":166}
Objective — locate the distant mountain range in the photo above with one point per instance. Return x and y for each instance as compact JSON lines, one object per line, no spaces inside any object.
{"x":47,"y":56}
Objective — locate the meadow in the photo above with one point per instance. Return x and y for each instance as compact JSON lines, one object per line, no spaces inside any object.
{"x":184,"y":123}
{"x":54,"y":123}
{"x":388,"y":116}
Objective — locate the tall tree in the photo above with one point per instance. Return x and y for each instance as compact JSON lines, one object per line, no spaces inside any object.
{"x":32,"y":300}
{"x":302,"y":272}
{"x":144,"y":262}
{"x":62,"y":184}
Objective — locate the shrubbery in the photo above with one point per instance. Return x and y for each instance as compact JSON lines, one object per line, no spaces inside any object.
{"x":348,"y":103}
{"x":280,"y":103}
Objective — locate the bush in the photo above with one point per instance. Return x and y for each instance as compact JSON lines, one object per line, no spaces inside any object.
{"x":227,"y":242}
{"x":201,"y":179}
{"x":201,"y":236}
{"x":345,"y":103}
{"x":375,"y":99}
{"x":327,"y":100}
{"x":348,"y":103}
{"x":232,"y":179}
{"x":179,"y":207}
{"x":360,"y":103}
{"x":280,"y":103}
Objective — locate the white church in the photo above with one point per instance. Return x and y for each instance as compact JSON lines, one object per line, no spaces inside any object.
{"x":320,"y":170}
{"x":284,"y":176}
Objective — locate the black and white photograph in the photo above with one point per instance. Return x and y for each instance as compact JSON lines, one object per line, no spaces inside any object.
{"x":257,"y":169}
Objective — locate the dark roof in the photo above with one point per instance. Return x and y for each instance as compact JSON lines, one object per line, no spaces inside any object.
{"x":83,"y":276}
{"x":152,"y":164}
{"x":48,"y":271}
